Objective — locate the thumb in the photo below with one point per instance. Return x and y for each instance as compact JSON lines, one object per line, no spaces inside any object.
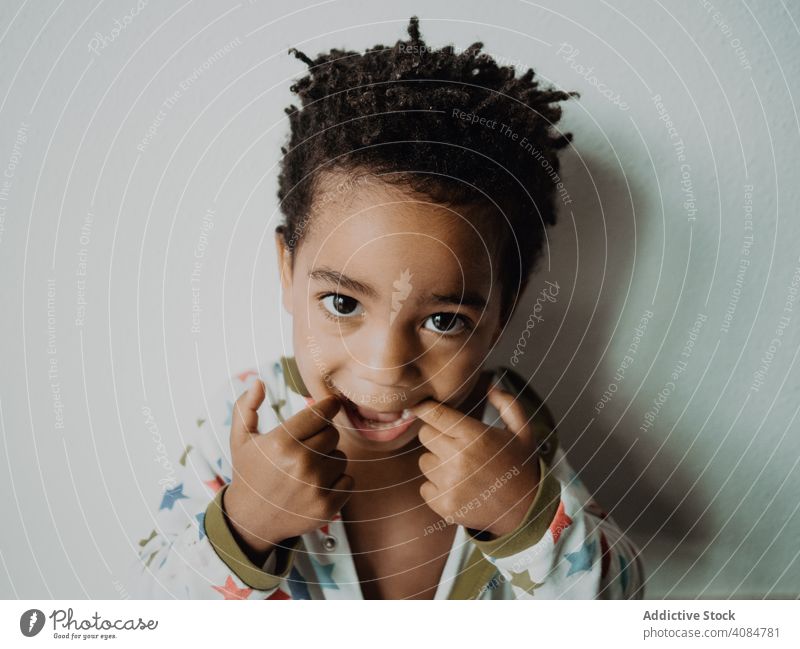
{"x":512,"y":412}
{"x":244,"y":418}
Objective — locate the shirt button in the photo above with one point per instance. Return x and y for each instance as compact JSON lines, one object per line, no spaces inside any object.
{"x":329,"y":542}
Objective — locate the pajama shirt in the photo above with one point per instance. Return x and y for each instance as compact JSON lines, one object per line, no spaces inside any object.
{"x":566,"y":546}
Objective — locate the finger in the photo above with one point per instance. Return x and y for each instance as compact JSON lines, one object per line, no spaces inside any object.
{"x":324,"y":441}
{"x":341,"y":490}
{"x":436,"y":442}
{"x":441,"y":416}
{"x":430,"y":492}
{"x":343,"y":485}
{"x":311,"y":420}
{"x":512,"y":412}
{"x":244,"y":420}
{"x":331,"y":466}
{"x":428,"y":464}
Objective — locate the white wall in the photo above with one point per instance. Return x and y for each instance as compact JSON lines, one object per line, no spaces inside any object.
{"x":708,"y":491}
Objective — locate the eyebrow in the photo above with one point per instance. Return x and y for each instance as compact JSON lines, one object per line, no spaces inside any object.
{"x":327,"y":274}
{"x":468,"y":298}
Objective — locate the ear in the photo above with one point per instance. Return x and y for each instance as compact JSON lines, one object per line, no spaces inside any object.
{"x":284,"y":268}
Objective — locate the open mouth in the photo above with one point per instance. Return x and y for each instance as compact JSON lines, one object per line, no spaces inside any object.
{"x":375,"y":425}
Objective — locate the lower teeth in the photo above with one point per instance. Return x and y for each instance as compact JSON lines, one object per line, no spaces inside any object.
{"x":404,"y":416}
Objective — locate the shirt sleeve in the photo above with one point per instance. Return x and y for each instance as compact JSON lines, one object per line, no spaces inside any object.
{"x":567,"y":546}
{"x":191,"y":552}
{"x":264,"y":577}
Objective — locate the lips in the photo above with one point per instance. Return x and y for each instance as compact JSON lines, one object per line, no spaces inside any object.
{"x":376,"y":425}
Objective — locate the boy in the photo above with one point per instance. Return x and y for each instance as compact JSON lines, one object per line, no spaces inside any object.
{"x":381,"y":460}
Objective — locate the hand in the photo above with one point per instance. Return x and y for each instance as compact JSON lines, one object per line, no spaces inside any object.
{"x":287,"y":482}
{"x":478,"y":476}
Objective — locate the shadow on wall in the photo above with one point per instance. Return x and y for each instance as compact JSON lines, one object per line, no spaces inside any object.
{"x":590,"y":257}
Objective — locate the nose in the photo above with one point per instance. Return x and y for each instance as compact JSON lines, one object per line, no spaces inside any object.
{"x":387,"y":355}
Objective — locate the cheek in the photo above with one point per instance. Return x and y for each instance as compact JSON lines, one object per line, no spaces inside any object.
{"x":462,"y":355}
{"x":454,"y":380}
{"x":318,"y":360}
{"x":312,"y":364}
{"x":310,"y":335}
{"x":310,"y":322}
{"x":453,"y":373}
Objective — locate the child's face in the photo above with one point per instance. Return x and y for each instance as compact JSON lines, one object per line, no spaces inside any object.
{"x":394,"y":300}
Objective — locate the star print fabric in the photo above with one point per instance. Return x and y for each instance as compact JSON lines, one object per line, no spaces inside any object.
{"x":567,"y":547}
{"x":582,"y":554}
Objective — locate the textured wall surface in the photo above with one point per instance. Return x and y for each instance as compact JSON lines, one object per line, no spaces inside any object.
{"x":138,"y":146}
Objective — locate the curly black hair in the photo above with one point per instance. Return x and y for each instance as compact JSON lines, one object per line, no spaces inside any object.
{"x":456,"y":127}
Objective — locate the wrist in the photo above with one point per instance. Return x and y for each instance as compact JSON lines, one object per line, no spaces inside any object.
{"x":514,"y":516}
{"x":508,"y":522}
{"x":257,"y":547}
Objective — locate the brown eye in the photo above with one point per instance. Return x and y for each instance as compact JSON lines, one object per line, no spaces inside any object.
{"x":446,"y":323}
{"x":341,"y":305}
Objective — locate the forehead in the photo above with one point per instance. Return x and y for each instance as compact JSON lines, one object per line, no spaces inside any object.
{"x":367,"y":228}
